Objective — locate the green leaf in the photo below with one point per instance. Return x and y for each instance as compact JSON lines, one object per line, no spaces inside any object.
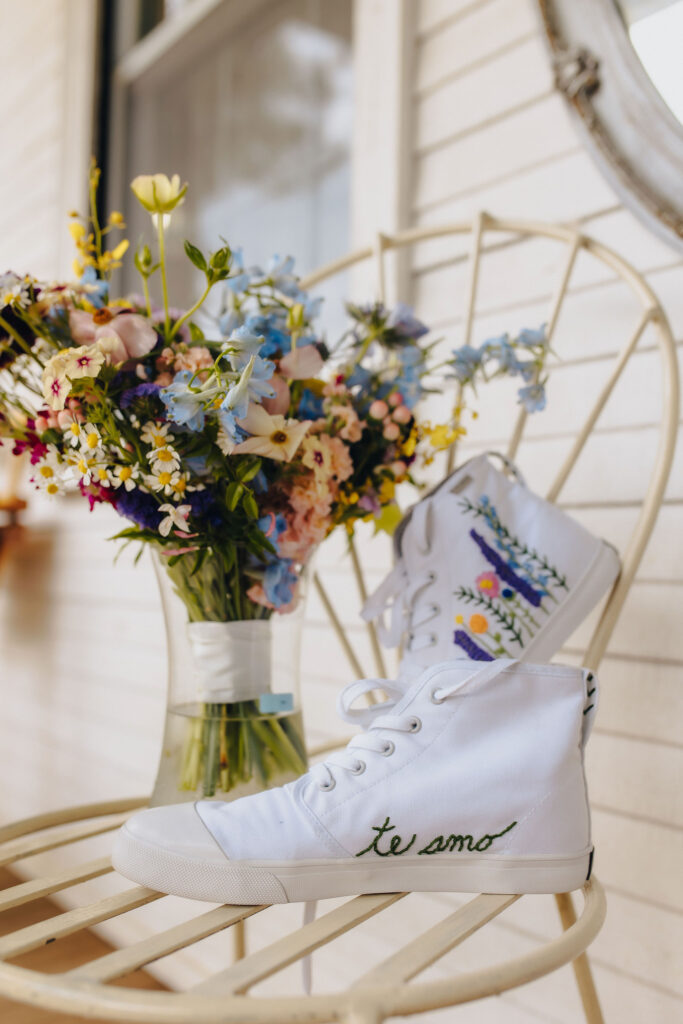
{"x":195,"y":256}
{"x":196,"y":334}
{"x":249,"y":505}
{"x":233,"y":493}
{"x":246,"y":470}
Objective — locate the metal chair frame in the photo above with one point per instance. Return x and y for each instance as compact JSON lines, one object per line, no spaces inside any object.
{"x":386,"y":989}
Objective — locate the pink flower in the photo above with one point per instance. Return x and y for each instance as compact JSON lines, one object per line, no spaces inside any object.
{"x":301,"y":363}
{"x":279,"y":404}
{"x":395,"y":398}
{"x":391,"y":431}
{"x":128,"y":335}
{"x":196,"y":358}
{"x":489,"y":584}
{"x":402,"y":414}
{"x":353,"y":427}
{"x":378,"y":409}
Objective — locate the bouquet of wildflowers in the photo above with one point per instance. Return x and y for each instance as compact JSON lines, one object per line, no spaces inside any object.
{"x":232,"y":450}
{"x":232,"y":444}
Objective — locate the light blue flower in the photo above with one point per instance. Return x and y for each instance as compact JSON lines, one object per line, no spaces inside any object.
{"x":532,"y":397}
{"x":245,"y":344}
{"x":236,"y":400}
{"x":465,"y":362}
{"x":98,"y":290}
{"x":404,"y":322}
{"x":239,"y":277}
{"x":273,"y":526}
{"x":184,"y":407}
{"x":259,"y":381}
{"x":279,"y":581}
{"x":230,"y":321}
{"x":531,"y":337}
{"x":231,"y":428}
{"x":279,"y":271}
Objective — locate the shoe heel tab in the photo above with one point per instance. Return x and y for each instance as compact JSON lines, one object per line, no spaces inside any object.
{"x":591,"y":693}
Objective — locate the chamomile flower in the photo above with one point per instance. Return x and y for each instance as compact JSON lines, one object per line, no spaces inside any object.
{"x":83,"y":467}
{"x":48,"y":474}
{"x":156,"y":434}
{"x":125,"y":476}
{"x":73,"y":434}
{"x":102,"y":474}
{"x":164,"y":481}
{"x":164,"y":458}
{"x":90,"y":438}
{"x":175,"y":517}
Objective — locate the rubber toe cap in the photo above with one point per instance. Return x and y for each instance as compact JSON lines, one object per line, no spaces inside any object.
{"x":175,"y":829}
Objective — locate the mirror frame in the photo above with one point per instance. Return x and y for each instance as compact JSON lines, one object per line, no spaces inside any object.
{"x":626,"y":125}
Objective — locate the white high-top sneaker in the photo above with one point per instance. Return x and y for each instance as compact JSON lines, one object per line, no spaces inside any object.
{"x":473,"y":781}
{"x":484,"y":568}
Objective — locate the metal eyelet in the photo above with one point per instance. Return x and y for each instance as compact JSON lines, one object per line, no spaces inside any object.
{"x":434,"y":698}
{"x":415,"y":725}
{"x":358,"y":768}
{"x":388,"y":748}
{"x":328,"y":786}
{"x":432,"y":577}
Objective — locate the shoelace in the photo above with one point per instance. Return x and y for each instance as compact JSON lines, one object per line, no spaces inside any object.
{"x":378,"y":720}
{"x":408,"y":604}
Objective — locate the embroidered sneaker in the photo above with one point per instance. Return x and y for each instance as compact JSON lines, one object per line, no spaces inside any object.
{"x":473,"y":781}
{"x":484,"y":568}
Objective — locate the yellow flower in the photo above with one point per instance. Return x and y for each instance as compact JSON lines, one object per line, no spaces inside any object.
{"x":441,"y":436}
{"x":77,"y":231}
{"x":116,"y":219}
{"x":157,"y":193}
{"x":118,"y":252}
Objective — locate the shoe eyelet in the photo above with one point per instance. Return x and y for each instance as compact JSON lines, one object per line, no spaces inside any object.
{"x":433,"y":639}
{"x":358,"y":768}
{"x":415,"y":725}
{"x":432,"y":577}
{"x":434,"y":698}
{"x":388,"y":748}
{"x":328,"y":786}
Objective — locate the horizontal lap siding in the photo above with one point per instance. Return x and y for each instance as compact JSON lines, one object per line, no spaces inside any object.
{"x":491,"y":134}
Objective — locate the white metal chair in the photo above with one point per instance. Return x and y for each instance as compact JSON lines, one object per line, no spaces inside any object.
{"x":387,"y":989}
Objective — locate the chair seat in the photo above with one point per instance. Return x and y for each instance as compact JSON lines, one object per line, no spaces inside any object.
{"x":384,"y":990}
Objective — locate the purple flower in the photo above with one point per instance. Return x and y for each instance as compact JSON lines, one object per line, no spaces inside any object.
{"x":505,"y":572}
{"x":144,"y":390}
{"x":472,"y":650}
{"x":138,"y":506}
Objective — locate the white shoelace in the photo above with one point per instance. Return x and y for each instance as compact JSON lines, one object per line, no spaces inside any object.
{"x":378,"y":720}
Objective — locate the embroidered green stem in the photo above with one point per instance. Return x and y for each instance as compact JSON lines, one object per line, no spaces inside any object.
{"x":506,"y":619}
{"x":514,"y":542}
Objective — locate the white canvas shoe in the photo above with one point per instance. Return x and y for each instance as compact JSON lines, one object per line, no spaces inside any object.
{"x":473,"y":781}
{"x":484,"y":568}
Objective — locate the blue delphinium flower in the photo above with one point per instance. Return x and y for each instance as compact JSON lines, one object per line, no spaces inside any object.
{"x":231,"y":427}
{"x":531,"y":337}
{"x":273,"y":526}
{"x":279,"y":581}
{"x":404,"y":322}
{"x":183,"y":406}
{"x":466,"y":359}
{"x":245,"y":344}
{"x":236,"y":400}
{"x":279,"y":270}
{"x":259,"y":385}
{"x":533,"y":397}
{"x":98,"y":290}
{"x":239,"y":277}
{"x":310,"y":405}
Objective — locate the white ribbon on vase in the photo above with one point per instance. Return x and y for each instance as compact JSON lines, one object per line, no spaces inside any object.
{"x":231,"y":661}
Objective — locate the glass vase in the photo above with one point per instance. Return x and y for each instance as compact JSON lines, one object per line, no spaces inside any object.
{"x":233,"y":718}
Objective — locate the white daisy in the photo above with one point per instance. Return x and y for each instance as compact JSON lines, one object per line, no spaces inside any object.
{"x":164,"y":481}
{"x":90,"y":439}
{"x":125,"y":476}
{"x":164,"y":458}
{"x":156,"y":434}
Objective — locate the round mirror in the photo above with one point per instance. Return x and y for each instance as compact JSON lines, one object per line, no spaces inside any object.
{"x":618,"y":64}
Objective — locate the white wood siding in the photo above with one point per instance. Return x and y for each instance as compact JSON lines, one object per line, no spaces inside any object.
{"x":82,"y":660}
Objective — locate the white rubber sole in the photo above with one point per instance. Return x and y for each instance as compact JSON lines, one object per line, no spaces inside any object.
{"x":255,"y":882}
